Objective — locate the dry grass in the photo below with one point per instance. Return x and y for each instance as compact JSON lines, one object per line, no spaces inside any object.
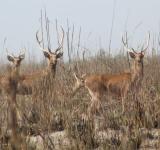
{"x":53,"y":110}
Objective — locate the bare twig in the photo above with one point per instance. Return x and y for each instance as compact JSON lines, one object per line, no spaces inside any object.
{"x":112,"y":25}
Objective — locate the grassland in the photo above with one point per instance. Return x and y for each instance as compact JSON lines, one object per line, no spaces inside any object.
{"x":52,"y":117}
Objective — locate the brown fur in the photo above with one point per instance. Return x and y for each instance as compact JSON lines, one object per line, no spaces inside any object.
{"x":27,"y":81}
{"x":8,"y":84}
{"x":112,"y":84}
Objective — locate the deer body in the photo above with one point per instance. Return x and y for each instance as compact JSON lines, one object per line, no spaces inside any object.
{"x":27,"y":82}
{"x":110,"y":84}
{"x":8,"y":84}
{"x":113,"y":84}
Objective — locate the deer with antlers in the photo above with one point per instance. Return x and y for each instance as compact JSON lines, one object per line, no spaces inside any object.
{"x":14,"y":72}
{"x":8,"y":86}
{"x":114,"y":84}
{"x":26,"y":84}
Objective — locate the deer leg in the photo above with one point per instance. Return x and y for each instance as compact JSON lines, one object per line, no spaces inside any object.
{"x":91,"y":108}
{"x":123,"y":108}
{"x":123,"y":99}
{"x":95,"y":105}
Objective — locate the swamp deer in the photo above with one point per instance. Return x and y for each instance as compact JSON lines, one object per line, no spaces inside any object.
{"x":26,"y":84}
{"x":13,"y":74}
{"x":113,"y":84}
{"x":8,"y":86}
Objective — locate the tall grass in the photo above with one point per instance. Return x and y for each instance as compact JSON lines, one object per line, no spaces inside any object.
{"x":52,"y":115}
{"x":57,"y":110}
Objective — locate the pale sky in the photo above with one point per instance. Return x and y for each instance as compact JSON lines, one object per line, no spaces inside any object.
{"x":19,"y":21}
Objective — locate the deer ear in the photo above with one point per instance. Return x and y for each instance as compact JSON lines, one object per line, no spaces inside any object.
{"x":46,"y":54}
{"x":59,"y":55}
{"x":10,"y":58}
{"x":132,"y":55}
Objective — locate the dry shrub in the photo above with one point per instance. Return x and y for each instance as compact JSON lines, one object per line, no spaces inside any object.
{"x":52,"y":108}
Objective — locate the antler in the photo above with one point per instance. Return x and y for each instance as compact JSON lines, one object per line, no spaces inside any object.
{"x":7,"y":51}
{"x":75,"y":75}
{"x":6,"y":48}
{"x":125,"y":43}
{"x":22,"y":53}
{"x":39,"y":43}
{"x":60,"y":43}
{"x":142,"y":51}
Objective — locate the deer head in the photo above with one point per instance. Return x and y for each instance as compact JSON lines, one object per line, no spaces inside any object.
{"x":15,"y":60}
{"x":52,"y":55}
{"x":137,"y":56}
{"x":137,"y":67}
{"x":80,"y":82}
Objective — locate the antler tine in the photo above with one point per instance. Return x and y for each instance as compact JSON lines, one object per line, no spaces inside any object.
{"x":147,"y":43}
{"x":22,"y":54}
{"x":75,"y":75}
{"x":134,"y":50}
{"x":10,"y":54}
{"x":23,"y":51}
{"x":60,"y":43}
{"x":49,"y":49}
{"x":125,"y":43}
{"x":6,"y":48}
{"x":39,"y":42}
{"x":7,"y":51}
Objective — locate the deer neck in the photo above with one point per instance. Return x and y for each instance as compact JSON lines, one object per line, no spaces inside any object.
{"x":137,"y":71}
{"x":51,"y":70}
{"x":14,"y":74}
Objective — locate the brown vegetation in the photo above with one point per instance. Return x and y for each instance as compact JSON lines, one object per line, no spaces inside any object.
{"x":57,"y":111}
{"x":57,"y":121}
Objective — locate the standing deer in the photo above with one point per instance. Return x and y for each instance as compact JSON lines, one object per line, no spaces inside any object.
{"x":26,"y":84}
{"x":14,"y":72}
{"x":116,"y":84}
{"x":8,"y":85}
